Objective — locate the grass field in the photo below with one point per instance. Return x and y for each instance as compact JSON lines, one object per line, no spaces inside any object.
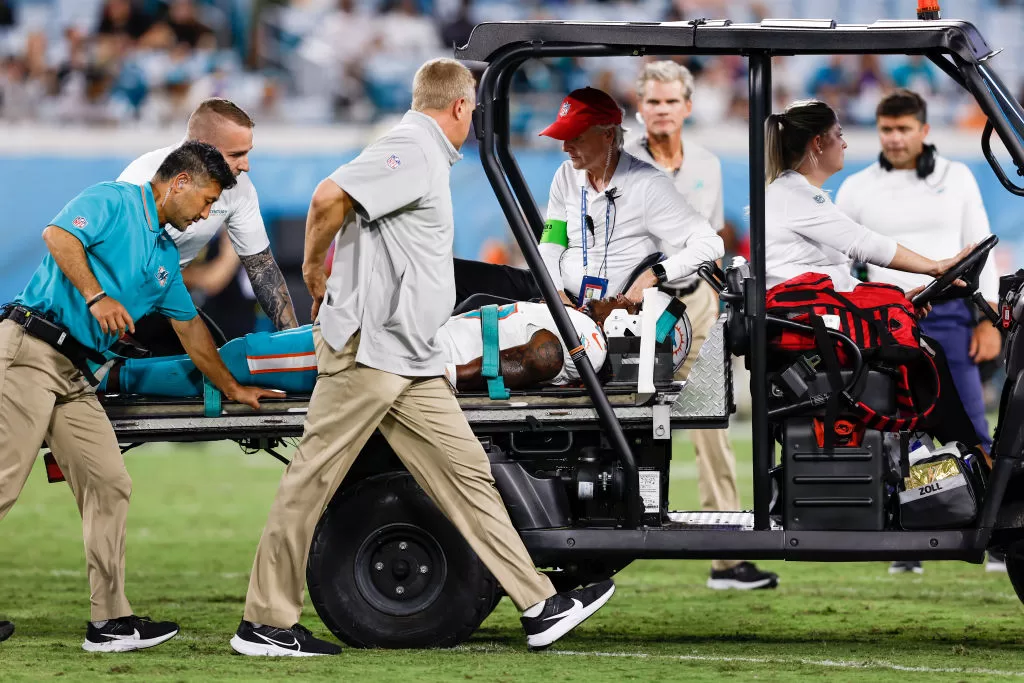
{"x":196,"y":516}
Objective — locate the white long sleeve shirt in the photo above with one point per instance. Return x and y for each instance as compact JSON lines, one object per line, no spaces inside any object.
{"x":648,"y":215}
{"x":806,"y":232}
{"x":238,"y":207}
{"x":935,"y":216}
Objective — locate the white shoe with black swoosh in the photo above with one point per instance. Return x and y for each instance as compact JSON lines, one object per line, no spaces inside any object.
{"x":563,"y":612}
{"x":128,"y":633}
{"x":270,"y":641}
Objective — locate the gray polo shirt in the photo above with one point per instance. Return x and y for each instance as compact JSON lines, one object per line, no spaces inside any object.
{"x":393,"y":276}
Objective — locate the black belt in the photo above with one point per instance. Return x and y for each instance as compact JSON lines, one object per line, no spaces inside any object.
{"x":37,"y":325}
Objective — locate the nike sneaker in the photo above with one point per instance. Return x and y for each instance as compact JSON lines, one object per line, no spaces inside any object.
{"x":563,"y":612}
{"x":745,"y":576}
{"x":270,"y":641}
{"x":128,"y":633}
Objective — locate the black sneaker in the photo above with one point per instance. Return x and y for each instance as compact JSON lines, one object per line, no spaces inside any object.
{"x":6,"y":629}
{"x":745,"y":577}
{"x":128,"y":633}
{"x":906,"y":567}
{"x":270,"y":641}
{"x":563,"y":612}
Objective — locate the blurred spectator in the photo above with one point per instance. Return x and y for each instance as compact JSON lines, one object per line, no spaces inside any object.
{"x":20,"y":95}
{"x":716,"y":91}
{"x":86,"y":100}
{"x":405,"y":31}
{"x":915,"y":74}
{"x":868,"y":86}
{"x":183,"y":20}
{"x":831,"y":83}
{"x":352,"y":60}
{"x":456,"y":32}
{"x":123,"y":18}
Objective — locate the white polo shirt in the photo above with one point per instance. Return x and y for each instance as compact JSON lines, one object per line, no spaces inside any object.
{"x":935,"y":216}
{"x":805,"y":232}
{"x":647,"y":215}
{"x":238,"y":207}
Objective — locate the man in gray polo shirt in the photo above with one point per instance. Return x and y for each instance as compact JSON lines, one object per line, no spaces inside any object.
{"x":380,"y":366}
{"x":664,"y":91}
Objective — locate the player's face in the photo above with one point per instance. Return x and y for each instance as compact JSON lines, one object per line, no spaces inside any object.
{"x":600,"y":309}
{"x":235,"y":143}
{"x":664,"y":108}
{"x":902,"y":139}
{"x":189,"y":201}
{"x":590,"y":149}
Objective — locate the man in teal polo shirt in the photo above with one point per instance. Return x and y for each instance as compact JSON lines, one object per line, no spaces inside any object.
{"x":109,"y":263}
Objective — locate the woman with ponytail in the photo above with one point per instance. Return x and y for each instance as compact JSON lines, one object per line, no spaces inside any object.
{"x":804,"y":230}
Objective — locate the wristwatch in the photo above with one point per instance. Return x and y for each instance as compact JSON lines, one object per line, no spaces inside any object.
{"x":659,"y":272}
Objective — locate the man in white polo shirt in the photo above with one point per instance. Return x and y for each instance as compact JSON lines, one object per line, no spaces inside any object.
{"x":664,"y":91}
{"x":609,"y":212}
{"x":933,"y":206}
{"x":610,"y":218}
{"x":227,"y":127}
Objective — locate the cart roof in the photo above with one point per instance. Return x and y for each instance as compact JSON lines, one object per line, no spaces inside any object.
{"x":779,"y":36}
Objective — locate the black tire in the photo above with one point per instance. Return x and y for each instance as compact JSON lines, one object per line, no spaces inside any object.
{"x":1015,"y":567}
{"x":387,"y":569}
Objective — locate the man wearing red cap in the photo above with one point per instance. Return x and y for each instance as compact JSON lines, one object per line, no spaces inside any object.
{"x":610,"y":218}
{"x":610,"y":214}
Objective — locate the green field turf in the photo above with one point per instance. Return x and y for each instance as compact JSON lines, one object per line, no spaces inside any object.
{"x":196,"y":516}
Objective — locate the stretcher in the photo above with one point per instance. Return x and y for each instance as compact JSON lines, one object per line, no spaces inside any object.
{"x":704,"y":400}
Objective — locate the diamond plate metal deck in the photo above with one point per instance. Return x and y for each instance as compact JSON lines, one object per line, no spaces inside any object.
{"x":707,"y":392}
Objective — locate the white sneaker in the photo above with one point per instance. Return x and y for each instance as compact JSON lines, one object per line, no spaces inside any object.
{"x":996,"y":562}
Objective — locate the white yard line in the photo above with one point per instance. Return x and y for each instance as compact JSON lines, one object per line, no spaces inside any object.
{"x":866,"y":664}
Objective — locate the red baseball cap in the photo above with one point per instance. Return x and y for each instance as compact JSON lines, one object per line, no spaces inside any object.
{"x":582,"y":109}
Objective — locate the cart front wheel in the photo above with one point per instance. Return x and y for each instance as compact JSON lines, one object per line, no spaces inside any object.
{"x":387,"y":569}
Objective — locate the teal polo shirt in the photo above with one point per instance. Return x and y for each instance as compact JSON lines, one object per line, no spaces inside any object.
{"x":133,"y":259}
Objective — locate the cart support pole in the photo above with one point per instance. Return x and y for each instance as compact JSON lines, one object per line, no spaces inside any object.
{"x":502,"y":171}
{"x":760,"y":82}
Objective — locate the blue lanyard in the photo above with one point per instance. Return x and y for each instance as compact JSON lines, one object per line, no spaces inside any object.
{"x":583,"y":228}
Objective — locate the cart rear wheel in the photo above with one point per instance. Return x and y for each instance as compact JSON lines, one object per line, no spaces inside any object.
{"x":387,"y":569}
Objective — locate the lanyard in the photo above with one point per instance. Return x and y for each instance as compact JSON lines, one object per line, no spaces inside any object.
{"x":583,"y":228}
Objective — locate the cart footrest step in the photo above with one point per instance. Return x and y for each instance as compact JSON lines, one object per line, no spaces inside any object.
{"x":713,"y":520}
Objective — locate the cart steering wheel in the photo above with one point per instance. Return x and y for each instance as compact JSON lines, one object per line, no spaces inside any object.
{"x":968,"y":269}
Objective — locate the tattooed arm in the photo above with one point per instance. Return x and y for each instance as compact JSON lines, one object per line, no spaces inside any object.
{"x":271,"y":291}
{"x":522,"y":367}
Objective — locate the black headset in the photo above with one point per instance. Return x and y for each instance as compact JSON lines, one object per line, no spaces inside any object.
{"x":925,"y":161}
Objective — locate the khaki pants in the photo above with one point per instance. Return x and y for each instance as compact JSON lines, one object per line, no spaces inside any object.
{"x":423,"y":423}
{"x":43,"y":396}
{"x":716,"y":463}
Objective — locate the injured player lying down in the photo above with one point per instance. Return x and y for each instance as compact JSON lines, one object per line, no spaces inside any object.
{"x":532,"y":354}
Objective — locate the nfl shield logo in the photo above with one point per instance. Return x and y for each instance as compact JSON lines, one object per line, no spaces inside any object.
{"x":564,"y":110}
{"x":79,"y":222}
{"x":393,"y":162}
{"x":161,"y":276}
